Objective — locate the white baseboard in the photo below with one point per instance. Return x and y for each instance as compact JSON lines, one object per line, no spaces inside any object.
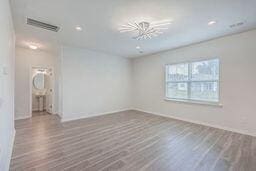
{"x":76,"y":117}
{"x":9,"y":152}
{"x":35,"y":110}
{"x":22,"y":117}
{"x":28,"y":116}
{"x":63,"y":119}
{"x":200,"y":123}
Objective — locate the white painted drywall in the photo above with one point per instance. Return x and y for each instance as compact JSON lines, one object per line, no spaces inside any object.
{"x":94,"y":83}
{"x":237,"y":55}
{"x":25,"y":60}
{"x":59,"y":79}
{"x":7,"y":52}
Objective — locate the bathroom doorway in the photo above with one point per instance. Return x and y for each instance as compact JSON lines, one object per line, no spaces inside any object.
{"x":42,"y":91}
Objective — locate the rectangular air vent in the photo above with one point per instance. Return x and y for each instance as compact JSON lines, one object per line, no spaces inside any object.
{"x":236,"y":24}
{"x":43,"y":25}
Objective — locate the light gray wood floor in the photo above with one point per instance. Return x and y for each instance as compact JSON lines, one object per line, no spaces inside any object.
{"x":128,"y":140}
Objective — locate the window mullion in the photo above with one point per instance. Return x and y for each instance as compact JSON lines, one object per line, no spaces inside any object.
{"x":189,"y":80}
{"x":204,"y":84}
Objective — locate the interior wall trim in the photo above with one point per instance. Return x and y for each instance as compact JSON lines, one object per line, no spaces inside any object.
{"x":21,"y":116}
{"x":245,"y":132}
{"x":9,"y":152}
{"x":63,"y":119}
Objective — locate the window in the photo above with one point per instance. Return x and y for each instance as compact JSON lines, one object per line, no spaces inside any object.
{"x":196,"y":81}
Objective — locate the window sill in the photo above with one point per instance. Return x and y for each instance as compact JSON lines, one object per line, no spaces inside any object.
{"x":216,"y":104}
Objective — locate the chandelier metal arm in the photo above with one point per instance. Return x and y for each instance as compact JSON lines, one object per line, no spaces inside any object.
{"x":145,"y":30}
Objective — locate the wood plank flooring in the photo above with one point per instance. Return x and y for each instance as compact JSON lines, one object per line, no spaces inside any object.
{"x":128,"y":140}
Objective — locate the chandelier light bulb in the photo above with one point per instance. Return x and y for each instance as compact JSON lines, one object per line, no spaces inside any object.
{"x":145,"y":30}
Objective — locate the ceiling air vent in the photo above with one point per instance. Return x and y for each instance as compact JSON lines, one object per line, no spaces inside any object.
{"x":236,"y":25}
{"x":43,"y":25}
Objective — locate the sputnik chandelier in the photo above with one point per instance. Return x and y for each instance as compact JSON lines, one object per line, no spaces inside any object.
{"x":145,"y":30}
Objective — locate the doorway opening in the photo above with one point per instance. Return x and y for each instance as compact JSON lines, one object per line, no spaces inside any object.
{"x":42,"y":90}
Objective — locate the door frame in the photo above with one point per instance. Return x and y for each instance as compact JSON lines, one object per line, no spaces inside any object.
{"x":31,"y":87}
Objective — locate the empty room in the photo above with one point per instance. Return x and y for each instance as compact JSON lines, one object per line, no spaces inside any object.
{"x":129,"y":85}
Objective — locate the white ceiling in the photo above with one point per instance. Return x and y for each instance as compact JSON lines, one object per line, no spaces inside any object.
{"x":101,"y":19}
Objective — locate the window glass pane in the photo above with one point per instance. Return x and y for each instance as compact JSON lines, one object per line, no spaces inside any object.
{"x":177,"y":90}
{"x":177,"y":72}
{"x":205,"y":91}
{"x":205,"y":70}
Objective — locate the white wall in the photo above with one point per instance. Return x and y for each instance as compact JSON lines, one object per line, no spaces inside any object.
{"x":237,"y":55}
{"x":94,"y":83}
{"x":7,"y":47}
{"x":25,"y":60}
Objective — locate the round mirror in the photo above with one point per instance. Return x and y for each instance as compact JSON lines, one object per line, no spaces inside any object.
{"x":38,"y":81}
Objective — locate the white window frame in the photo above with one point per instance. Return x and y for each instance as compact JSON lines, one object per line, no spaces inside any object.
{"x":189,"y":100}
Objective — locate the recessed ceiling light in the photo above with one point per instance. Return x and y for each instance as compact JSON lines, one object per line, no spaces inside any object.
{"x":211,"y":23}
{"x":137,"y":47}
{"x":78,"y":28}
{"x":33,"y":47}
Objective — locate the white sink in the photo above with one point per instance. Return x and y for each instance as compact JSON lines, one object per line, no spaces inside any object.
{"x":40,"y":98}
{"x":40,"y":92}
